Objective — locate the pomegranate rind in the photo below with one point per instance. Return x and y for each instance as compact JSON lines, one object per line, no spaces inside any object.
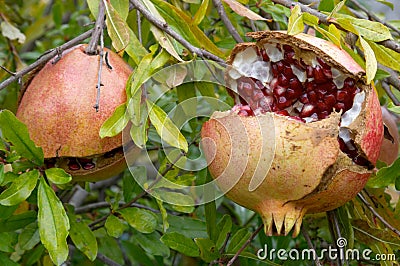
{"x":330,"y":178}
{"x":389,"y":150}
{"x":57,"y":105}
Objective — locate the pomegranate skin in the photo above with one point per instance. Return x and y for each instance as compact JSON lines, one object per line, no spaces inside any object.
{"x":283,"y":168}
{"x":58,"y":105}
{"x":389,"y":150}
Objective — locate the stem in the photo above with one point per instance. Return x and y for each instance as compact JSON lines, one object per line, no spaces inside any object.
{"x":228,"y":24}
{"x":91,"y":49}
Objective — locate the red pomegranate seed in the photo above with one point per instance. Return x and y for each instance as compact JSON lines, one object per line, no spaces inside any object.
{"x":322,"y":106}
{"x":323,"y":63}
{"x":341,"y":95}
{"x":312,"y":96}
{"x":280,"y":66}
{"x":309,"y":71}
{"x":295,"y":84}
{"x":264,"y":55}
{"x":73,"y":165}
{"x":339,"y":106}
{"x":321,"y":92}
{"x":279,"y":90}
{"x":307,"y":110}
{"x":274,"y":68}
{"x":88,"y":166}
{"x":288,"y":71}
{"x":304,"y":98}
{"x":323,"y":115}
{"x":330,"y":100}
{"x":282,"y":80}
{"x":283,"y":102}
{"x":319,"y":76}
{"x":349,"y":83}
{"x":310,"y":86}
{"x":243,"y":113}
{"x":327,"y":73}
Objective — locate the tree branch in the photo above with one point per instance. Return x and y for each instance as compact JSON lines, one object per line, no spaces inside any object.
{"x":324,"y":19}
{"x":91,"y":49}
{"x":46,"y":57}
{"x":228,"y":24}
{"x":164,"y":27}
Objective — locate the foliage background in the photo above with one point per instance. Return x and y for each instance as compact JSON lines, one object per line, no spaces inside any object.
{"x":114,"y":222}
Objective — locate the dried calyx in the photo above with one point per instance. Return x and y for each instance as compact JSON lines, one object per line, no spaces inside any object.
{"x":304,"y":134}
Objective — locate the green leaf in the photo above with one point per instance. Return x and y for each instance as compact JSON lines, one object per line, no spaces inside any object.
{"x":164,"y":215}
{"x":187,"y":226}
{"x":393,"y":108}
{"x":386,"y":56}
{"x":8,"y":241}
{"x":11,"y":32}
{"x":117,"y":28}
{"x":180,"y":202}
{"x":201,"y":12}
{"x":152,"y":244}
{"x":296,"y":24}
{"x":211,"y":220}
{"x":142,"y":220}
{"x":346,"y":229}
{"x":20,"y":189}
{"x":243,"y":11}
{"x":115,"y":123}
{"x":336,"y":9}
{"x":326,"y":5}
{"x":17,"y":133}
{"x":208,"y":250}
{"x":2,"y":174}
{"x":370,"y":30}
{"x":94,"y":7}
{"x":58,"y":176}
{"x":121,"y":7}
{"x":238,"y":239}
{"x":387,"y":3}
{"x":29,"y":237}
{"x":181,"y":23}
{"x":114,"y":226}
{"x":18,"y":221}
{"x":310,"y":19}
{"x":53,"y":223}
{"x":138,"y":133}
{"x":6,"y":261}
{"x":166,"y":128}
{"x":181,"y":243}
{"x":385,"y":176}
{"x":224,"y":227}
{"x":135,"y":49}
{"x":370,"y":60}
{"x":83,"y":237}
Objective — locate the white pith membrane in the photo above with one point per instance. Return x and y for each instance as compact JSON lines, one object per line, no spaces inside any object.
{"x":256,"y":63}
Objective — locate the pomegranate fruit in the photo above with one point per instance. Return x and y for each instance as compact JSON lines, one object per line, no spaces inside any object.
{"x":58,"y":108}
{"x":390,"y":147}
{"x":304,"y":135}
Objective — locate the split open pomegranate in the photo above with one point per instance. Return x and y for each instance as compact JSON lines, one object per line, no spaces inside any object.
{"x":57,"y":107}
{"x":304,"y":135}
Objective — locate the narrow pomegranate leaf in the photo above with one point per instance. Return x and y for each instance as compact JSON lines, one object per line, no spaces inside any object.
{"x":385,"y":176}
{"x":83,"y":238}
{"x":238,"y":239}
{"x":371,"y":65}
{"x":387,"y":3}
{"x":17,"y":133}
{"x":181,"y":23}
{"x":29,"y":237}
{"x":201,"y":12}
{"x":135,"y":49}
{"x":296,"y":24}
{"x":2,"y":174}
{"x":370,"y":30}
{"x":152,"y":244}
{"x":372,"y":235}
{"x":93,"y":7}
{"x":115,"y":123}
{"x":208,"y":250}
{"x":181,"y":243}
{"x":164,"y":215}
{"x":20,"y":189}
{"x":121,"y":7}
{"x":117,"y":28}
{"x":5,"y":260}
{"x":179,"y":201}
{"x":139,"y":132}
{"x":58,"y":176}
{"x":142,"y":220}
{"x":393,"y":108}
{"x":328,"y":35}
{"x":336,"y":9}
{"x":224,"y":227}
{"x":11,"y":32}
{"x":242,"y":10}
{"x":210,"y":210}
{"x":386,"y":56}
{"x":53,"y":223}
{"x":345,"y":227}
{"x":166,"y":128}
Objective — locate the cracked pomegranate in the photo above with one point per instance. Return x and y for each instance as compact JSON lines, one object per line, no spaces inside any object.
{"x":304,"y":135}
{"x":57,"y":107}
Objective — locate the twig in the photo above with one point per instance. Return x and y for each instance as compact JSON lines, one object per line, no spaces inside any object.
{"x":104,"y":204}
{"x":389,"y":92}
{"x":164,"y":27}
{"x":324,"y":19}
{"x":228,"y":24}
{"x":377,"y":215}
{"x":335,"y":233}
{"x":371,"y":15}
{"x":310,"y":244}
{"x":98,"y":86}
{"x":139,"y":26}
{"x":91,"y":49}
{"x":46,"y":57}
{"x":103,"y":258}
{"x":248,"y":241}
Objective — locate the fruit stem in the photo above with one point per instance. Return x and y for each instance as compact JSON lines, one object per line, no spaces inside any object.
{"x":91,"y":49}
